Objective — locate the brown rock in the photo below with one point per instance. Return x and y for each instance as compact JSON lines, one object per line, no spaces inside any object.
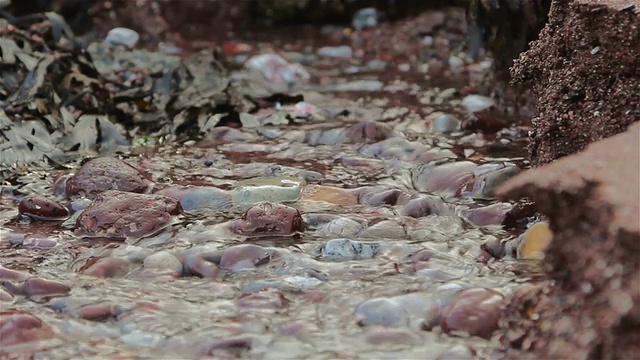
{"x":41,"y":208}
{"x":20,"y":328}
{"x":592,"y":200}
{"x":105,"y":173}
{"x":585,"y":72}
{"x":269,"y":219}
{"x":121,"y":215}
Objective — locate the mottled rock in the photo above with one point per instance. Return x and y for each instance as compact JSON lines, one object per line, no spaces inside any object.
{"x":41,"y":208}
{"x":269,"y":219}
{"x":122,"y":215}
{"x":105,"y":173}
{"x":21,"y":328}
{"x":346,"y":249}
{"x":474,"y":311}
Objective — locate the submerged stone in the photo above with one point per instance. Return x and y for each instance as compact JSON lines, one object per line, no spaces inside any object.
{"x":276,"y":189}
{"x":122,"y":215}
{"x":268,"y":219}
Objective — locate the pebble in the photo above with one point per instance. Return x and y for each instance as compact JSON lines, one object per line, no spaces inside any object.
{"x":41,"y":208}
{"x":474,"y":311}
{"x":268,"y":219}
{"x":445,"y":123}
{"x":476,"y":103}
{"x":105,"y":173}
{"x":275,"y":189}
{"x":199,"y":198}
{"x":163,"y":260}
{"x":329,"y":194}
{"x":122,"y":215}
{"x":365,"y":18}
{"x":263,"y":299}
{"x":246,"y":256}
{"x":277,"y":70}
{"x":336,"y":51}
{"x":21,"y":328}
{"x":346,"y":249}
{"x":535,"y":241}
{"x":107,"y":267}
{"x":122,"y":36}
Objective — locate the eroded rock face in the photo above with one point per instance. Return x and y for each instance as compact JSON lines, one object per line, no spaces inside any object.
{"x":121,"y":215}
{"x":592,"y":200}
{"x":584,"y":72}
{"x":105,"y":173}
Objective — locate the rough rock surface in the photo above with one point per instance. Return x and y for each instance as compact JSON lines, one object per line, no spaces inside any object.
{"x":585,"y":72}
{"x":591,"y":307}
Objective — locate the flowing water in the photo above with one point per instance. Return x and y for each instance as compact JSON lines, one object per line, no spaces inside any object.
{"x":395,"y":204}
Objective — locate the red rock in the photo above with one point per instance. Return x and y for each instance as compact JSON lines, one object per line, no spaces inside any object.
{"x":18,"y":328}
{"x":269,"y":219}
{"x":107,"y":267}
{"x":122,"y":215}
{"x":263,"y":299}
{"x":475,"y":311}
{"x":38,"y":287}
{"x":105,"y":173}
{"x":41,"y":208}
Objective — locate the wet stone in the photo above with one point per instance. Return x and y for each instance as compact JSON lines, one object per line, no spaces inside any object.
{"x":263,"y":299}
{"x":106,"y":267}
{"x":122,"y":215}
{"x":41,"y":287}
{"x":10,"y":274}
{"x":164,"y":261}
{"x":330,"y":194}
{"x":199,"y":265}
{"x":346,"y":249}
{"x":105,"y":173}
{"x":21,"y":328}
{"x":246,"y":256}
{"x":535,"y":241}
{"x":474,"y":311}
{"x":268,"y":219}
{"x":493,"y":214}
{"x":445,"y":123}
{"x":41,"y":208}
{"x":425,"y":205}
{"x":446,"y":178}
{"x":275,"y":189}
{"x":199,"y":198}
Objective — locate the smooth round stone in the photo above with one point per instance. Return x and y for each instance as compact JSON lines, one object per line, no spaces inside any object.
{"x":390,"y":336}
{"x":346,"y":249}
{"x":493,"y":214}
{"x":341,"y":226}
{"x":445,"y":123}
{"x":475,"y":311}
{"x":476,"y":103}
{"x":246,"y":256}
{"x":5,"y":296}
{"x":381,"y":311}
{"x":107,"y":267}
{"x":486,"y":184}
{"x":21,"y":328}
{"x":198,"y":198}
{"x":535,"y":241}
{"x":446,"y":178}
{"x":122,"y":36}
{"x":41,"y":208}
{"x":42,"y":287}
{"x":138,"y":338}
{"x":273,"y":189}
{"x":330,"y":194}
{"x":163,"y":260}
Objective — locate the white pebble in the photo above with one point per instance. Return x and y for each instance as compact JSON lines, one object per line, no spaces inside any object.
{"x":122,"y":36}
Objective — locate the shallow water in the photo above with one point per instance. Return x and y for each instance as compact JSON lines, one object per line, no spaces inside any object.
{"x":303,"y":299}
